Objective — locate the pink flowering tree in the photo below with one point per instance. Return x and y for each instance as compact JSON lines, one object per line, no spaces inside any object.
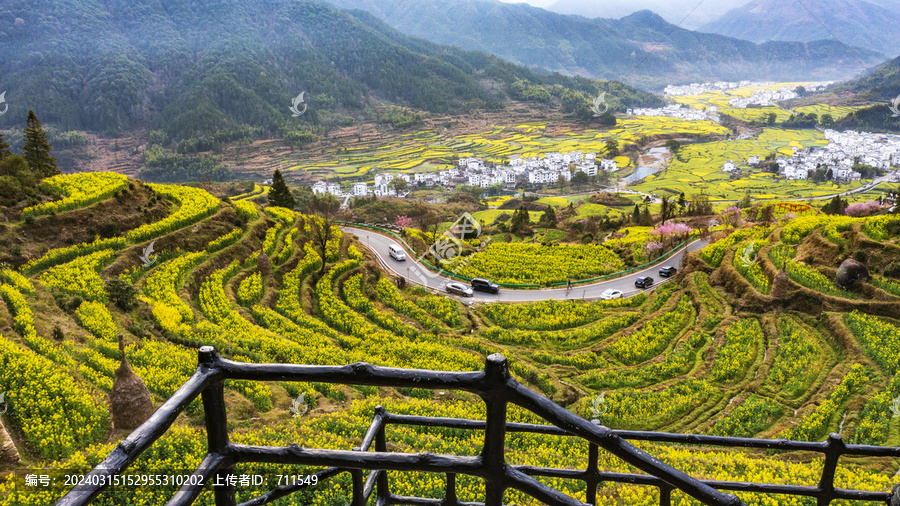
{"x":670,"y":230}
{"x":863,"y":208}
{"x":665,"y":236}
{"x":653,"y":248}
{"x":732,"y":215}
{"x":404,"y":221}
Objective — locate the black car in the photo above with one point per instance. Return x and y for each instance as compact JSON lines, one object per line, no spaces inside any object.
{"x":667,"y":272}
{"x":483,"y":285}
{"x":643,"y":282}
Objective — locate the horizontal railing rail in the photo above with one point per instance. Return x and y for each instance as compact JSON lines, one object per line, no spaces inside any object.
{"x":498,"y":389}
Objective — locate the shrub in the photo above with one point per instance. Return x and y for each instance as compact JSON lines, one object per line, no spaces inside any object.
{"x":122,"y":293}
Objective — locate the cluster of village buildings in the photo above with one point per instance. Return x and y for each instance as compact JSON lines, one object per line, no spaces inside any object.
{"x":677,"y":111}
{"x":763,"y":98}
{"x":840,"y":155}
{"x":698,"y":88}
{"x":472,"y":171}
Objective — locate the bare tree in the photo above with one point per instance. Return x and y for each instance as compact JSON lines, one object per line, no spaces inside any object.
{"x":430,"y":223}
{"x":323,"y":209}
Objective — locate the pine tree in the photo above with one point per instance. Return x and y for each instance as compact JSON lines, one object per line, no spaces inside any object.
{"x":636,"y":215}
{"x":646,"y":218}
{"x":36,"y":149}
{"x":4,"y":148}
{"x":520,"y":220}
{"x":666,"y":210}
{"x":280,"y":194}
{"x":548,"y":219}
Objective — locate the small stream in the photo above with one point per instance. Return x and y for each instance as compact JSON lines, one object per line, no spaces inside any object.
{"x":640,"y":173}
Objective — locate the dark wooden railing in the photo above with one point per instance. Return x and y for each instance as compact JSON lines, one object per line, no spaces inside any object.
{"x":498,"y":389}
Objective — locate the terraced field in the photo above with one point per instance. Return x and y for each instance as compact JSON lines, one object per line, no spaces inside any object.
{"x":699,"y":169}
{"x":428,"y":151}
{"x":720,"y":99}
{"x":709,"y":353}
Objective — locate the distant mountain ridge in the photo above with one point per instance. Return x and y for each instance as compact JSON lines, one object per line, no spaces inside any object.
{"x":685,"y":13}
{"x":219,"y":71}
{"x":641,"y":49}
{"x":862,"y":23}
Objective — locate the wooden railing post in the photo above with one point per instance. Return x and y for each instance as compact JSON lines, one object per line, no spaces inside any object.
{"x":383,"y":486}
{"x":592,"y":481}
{"x":665,"y":495}
{"x":217,"y":430}
{"x":493,"y":453}
{"x":450,"y":499}
{"x":359,"y":498}
{"x":833,"y":451}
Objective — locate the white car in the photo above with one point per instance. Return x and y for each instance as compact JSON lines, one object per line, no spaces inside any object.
{"x":612,"y":294}
{"x":397,"y":252}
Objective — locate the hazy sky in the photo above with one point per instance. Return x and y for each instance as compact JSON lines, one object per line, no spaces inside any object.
{"x":690,"y":13}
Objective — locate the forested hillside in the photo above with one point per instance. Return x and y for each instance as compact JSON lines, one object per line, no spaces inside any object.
{"x":881,"y":85}
{"x":198,"y":75}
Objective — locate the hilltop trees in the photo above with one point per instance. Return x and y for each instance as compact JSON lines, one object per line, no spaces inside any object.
{"x":280,"y":195}
{"x":15,"y":179}
{"x":548,"y":219}
{"x":519,"y":221}
{"x":667,"y":211}
{"x":700,"y":205}
{"x":20,"y":174}
{"x":835,"y":206}
{"x":580,"y":179}
{"x":36,"y":149}
{"x":673,"y":145}
{"x":612,"y":148}
{"x":4,"y":148}
{"x":399,"y":185}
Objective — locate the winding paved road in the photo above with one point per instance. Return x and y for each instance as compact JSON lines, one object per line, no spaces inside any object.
{"x":416,"y":273}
